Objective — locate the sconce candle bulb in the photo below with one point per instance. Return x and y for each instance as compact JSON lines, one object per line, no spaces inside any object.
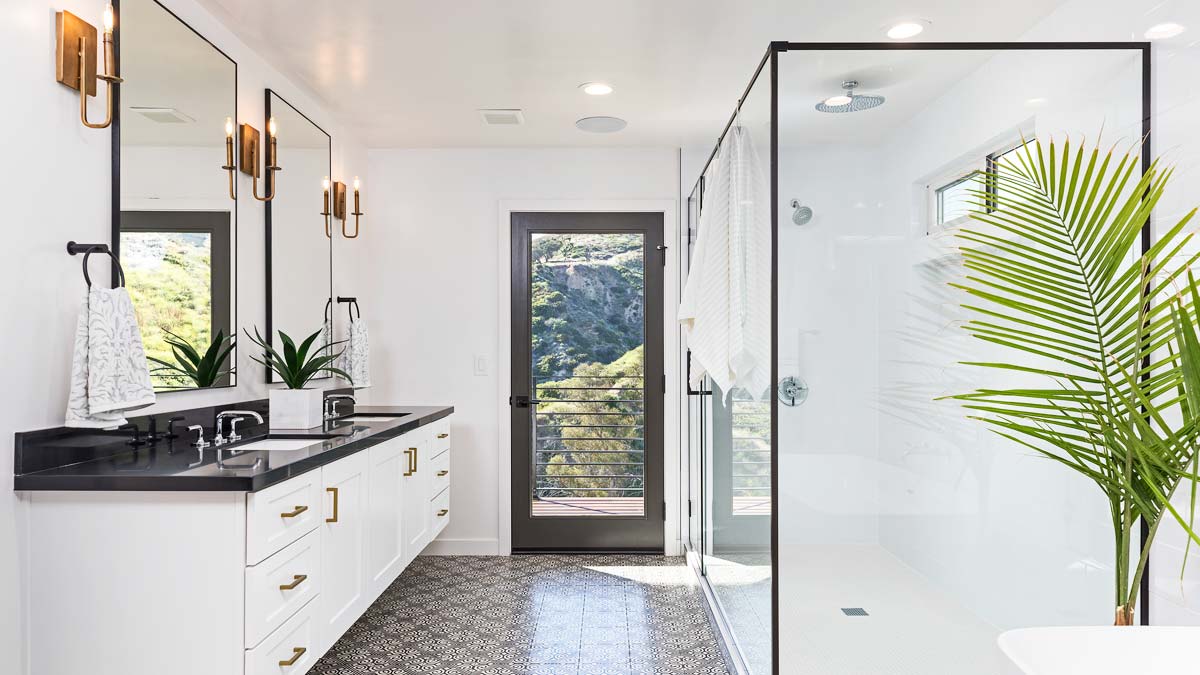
{"x":325,"y":207}
{"x":229,"y":166}
{"x":357,"y":212}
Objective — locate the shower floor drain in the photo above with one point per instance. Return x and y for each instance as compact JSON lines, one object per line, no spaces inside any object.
{"x":854,"y":611}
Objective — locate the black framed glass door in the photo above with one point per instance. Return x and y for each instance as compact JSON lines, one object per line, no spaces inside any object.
{"x":587,"y":381}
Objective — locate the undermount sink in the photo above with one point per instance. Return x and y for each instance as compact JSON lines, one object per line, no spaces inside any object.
{"x":278,"y":444}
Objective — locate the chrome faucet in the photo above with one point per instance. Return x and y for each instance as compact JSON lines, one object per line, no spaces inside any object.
{"x":199,"y":442}
{"x":237,"y":416}
{"x":332,"y":401}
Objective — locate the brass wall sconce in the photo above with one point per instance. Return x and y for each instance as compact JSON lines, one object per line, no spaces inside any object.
{"x":248,"y":157}
{"x":75,"y":62}
{"x":357,"y":212}
{"x":325,"y":208}
{"x":229,"y":165}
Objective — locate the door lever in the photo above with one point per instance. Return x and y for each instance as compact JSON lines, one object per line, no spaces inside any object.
{"x":522,"y":401}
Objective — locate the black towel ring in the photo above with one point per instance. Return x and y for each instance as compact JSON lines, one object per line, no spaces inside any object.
{"x":87,"y":250}
{"x":328,"y":304}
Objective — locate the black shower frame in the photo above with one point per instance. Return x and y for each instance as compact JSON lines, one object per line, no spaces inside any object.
{"x":770,"y":63}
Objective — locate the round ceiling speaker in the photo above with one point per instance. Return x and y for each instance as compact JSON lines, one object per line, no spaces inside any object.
{"x":600,"y":125}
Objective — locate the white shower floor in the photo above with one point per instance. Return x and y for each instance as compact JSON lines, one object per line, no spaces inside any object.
{"x":911,"y":627}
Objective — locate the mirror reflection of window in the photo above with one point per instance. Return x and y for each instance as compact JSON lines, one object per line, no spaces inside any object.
{"x":177,"y":231}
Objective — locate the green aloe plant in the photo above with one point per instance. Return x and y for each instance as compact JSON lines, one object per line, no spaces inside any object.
{"x":1109,"y":355}
{"x":190,"y":366}
{"x":295,"y":366}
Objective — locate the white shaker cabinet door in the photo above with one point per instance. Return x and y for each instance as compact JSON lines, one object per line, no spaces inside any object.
{"x":388,"y":462}
{"x":344,"y":594}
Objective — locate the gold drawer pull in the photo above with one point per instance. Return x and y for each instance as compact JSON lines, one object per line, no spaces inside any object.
{"x":334,"y":519}
{"x":293,"y":514}
{"x":299,"y":579}
{"x":297,"y":652}
{"x":443,"y":512}
{"x":409,"y":453}
{"x":443,"y":472}
{"x":443,"y":435}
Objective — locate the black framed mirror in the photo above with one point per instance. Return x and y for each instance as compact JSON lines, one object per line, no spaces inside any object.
{"x":174,"y":223}
{"x":299,"y":244}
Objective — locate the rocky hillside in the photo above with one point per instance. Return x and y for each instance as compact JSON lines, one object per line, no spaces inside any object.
{"x":587,"y":300}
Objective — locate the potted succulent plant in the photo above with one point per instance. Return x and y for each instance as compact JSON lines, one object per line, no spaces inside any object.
{"x":297,"y":407}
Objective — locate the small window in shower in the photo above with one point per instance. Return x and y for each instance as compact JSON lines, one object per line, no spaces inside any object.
{"x":955,"y":200}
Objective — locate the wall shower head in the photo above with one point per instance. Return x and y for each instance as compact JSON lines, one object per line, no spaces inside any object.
{"x":802,"y":214}
{"x":849,"y":102}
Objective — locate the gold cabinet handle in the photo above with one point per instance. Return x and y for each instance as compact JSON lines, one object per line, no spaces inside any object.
{"x":334,"y":519}
{"x":297,"y":579}
{"x":415,"y":461}
{"x":443,"y":472}
{"x":443,"y":512}
{"x":409,"y":453}
{"x":443,"y":435}
{"x":296,"y":512}
{"x":297,"y":652}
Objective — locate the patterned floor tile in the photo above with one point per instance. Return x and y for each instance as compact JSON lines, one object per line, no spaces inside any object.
{"x":533,"y":615}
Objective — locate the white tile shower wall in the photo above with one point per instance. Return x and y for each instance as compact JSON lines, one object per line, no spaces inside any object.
{"x":433,"y":287}
{"x":64,"y":177}
{"x":829,"y":471}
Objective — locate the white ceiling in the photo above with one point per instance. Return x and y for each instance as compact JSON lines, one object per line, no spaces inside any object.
{"x":409,"y":73}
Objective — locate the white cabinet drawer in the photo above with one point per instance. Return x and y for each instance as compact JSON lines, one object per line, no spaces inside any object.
{"x":280,"y":585}
{"x":440,"y":515}
{"x":291,"y":650}
{"x":439,"y":433}
{"x":281,"y":514}
{"x":440,"y":480}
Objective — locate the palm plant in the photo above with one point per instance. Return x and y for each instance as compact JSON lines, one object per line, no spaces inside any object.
{"x":190,"y":366}
{"x":295,"y":366}
{"x":1110,"y":367}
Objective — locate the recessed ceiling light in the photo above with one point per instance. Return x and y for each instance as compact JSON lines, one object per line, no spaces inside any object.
{"x":1164,"y":31}
{"x":596,"y":88}
{"x":841,"y":99}
{"x":600,"y":125}
{"x":905,"y":30}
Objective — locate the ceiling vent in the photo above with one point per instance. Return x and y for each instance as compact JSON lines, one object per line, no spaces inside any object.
{"x":163,"y":115}
{"x":502,"y":117}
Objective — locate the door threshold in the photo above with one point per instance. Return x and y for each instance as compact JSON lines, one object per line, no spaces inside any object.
{"x":588,"y":551}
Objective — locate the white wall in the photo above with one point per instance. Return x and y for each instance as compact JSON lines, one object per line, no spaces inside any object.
{"x":62,"y":183}
{"x":433,"y":288}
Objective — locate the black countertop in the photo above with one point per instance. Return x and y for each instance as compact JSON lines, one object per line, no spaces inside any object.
{"x":177,"y":466}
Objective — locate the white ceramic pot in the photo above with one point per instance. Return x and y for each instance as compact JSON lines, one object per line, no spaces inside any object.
{"x":296,"y":408}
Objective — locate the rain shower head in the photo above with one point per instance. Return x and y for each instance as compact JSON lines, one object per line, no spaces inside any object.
{"x":849,"y":102}
{"x":802,"y":215}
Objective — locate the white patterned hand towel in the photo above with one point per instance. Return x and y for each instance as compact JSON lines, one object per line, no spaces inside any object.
{"x":356,"y":358}
{"x":109,"y":372}
{"x":726,"y":304}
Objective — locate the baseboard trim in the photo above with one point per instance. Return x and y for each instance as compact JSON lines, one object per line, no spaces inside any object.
{"x":463,"y":547}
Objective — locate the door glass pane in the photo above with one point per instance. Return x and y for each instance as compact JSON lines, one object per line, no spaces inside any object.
{"x":587,"y":338}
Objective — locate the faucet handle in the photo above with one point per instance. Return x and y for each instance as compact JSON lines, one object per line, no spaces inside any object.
{"x":199,"y":442}
{"x":233,"y":434}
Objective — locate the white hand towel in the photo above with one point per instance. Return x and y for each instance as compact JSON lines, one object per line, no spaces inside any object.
{"x":109,"y":372}
{"x":356,"y":358}
{"x":726,"y":304}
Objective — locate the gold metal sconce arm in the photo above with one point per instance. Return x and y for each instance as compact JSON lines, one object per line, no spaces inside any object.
{"x":272,"y":168}
{"x":356,"y":213}
{"x":76,"y":62}
{"x":325,"y":210}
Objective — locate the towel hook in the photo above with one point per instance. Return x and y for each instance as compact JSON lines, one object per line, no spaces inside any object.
{"x":87,"y":250}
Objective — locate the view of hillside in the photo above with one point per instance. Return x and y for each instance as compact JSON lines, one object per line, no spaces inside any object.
{"x":168,"y":276}
{"x":587,"y":334}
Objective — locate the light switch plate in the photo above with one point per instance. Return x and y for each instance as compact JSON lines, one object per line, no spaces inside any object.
{"x":481,"y":366}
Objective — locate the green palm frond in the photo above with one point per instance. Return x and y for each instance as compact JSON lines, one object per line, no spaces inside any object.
{"x":1051,"y":274}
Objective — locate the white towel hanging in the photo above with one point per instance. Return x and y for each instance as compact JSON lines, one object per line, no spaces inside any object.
{"x":109,"y":372}
{"x":726,"y":304}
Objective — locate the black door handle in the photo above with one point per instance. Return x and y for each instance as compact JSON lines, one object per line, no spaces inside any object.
{"x":522,"y":401}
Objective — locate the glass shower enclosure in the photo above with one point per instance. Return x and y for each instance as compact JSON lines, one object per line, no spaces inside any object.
{"x":847,"y":520}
